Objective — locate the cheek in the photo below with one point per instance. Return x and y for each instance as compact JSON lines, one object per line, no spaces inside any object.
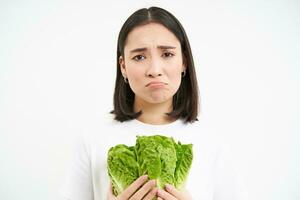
{"x":175,"y":78}
{"x":135,"y":76}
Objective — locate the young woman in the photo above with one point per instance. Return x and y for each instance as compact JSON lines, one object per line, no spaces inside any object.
{"x":156,"y":92}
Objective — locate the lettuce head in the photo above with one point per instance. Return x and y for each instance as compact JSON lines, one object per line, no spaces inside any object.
{"x":159,"y":157}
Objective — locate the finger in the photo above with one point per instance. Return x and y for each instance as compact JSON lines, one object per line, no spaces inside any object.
{"x":173,"y":191}
{"x":182,"y":194}
{"x":144,"y":190}
{"x":158,"y":198}
{"x":110,"y":190}
{"x":151,"y":194}
{"x":128,"y":192}
{"x":165,"y":195}
{"x":110,"y":194}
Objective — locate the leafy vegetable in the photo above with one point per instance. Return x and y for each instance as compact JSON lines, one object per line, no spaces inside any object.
{"x":158,"y":156}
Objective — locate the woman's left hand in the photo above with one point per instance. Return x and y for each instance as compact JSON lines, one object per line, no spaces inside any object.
{"x":171,"y":193}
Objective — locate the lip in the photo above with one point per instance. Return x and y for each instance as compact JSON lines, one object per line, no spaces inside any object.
{"x":155,"y":83}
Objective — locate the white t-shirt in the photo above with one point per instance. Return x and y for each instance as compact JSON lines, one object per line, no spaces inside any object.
{"x":213,"y":175}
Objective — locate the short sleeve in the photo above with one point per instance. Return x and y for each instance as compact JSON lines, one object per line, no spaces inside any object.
{"x":78,"y":178}
{"x":228,"y":183}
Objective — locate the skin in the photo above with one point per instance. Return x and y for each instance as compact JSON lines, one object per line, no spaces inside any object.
{"x":156,"y":62}
{"x":141,"y":188}
{"x":152,"y":53}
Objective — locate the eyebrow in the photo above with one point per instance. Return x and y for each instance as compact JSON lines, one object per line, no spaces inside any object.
{"x":145,"y":49}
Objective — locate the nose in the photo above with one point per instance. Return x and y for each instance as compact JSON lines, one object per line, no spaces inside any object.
{"x":155,"y":68}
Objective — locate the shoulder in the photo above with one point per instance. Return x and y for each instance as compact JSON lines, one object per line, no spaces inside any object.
{"x":102,"y":123}
{"x":104,"y":129}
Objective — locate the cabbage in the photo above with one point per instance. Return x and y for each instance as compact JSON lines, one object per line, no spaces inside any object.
{"x":159,"y":157}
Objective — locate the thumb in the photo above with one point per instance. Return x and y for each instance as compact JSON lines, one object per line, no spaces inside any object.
{"x":110,"y":194}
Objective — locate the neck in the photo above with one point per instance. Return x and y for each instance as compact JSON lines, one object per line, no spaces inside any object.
{"x":153,"y":113}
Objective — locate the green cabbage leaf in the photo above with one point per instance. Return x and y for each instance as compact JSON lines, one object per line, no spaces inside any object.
{"x":158,"y":156}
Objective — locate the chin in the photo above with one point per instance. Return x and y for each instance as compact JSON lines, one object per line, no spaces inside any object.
{"x":157,"y":100}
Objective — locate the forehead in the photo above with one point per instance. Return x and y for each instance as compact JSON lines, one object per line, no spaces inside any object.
{"x":152,"y":34}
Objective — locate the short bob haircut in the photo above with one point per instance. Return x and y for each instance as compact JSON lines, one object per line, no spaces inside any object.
{"x":185,"y":100}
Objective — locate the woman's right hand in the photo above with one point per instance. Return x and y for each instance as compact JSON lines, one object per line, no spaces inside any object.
{"x":141,"y":188}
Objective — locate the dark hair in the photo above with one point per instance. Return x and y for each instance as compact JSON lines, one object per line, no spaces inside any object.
{"x":185,"y":100}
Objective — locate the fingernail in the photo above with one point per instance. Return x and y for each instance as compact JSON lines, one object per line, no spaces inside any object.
{"x":145,"y":176}
{"x":168,"y":186}
{"x":158,"y":192}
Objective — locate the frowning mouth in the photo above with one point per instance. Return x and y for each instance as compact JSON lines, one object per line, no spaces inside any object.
{"x":156,"y":84}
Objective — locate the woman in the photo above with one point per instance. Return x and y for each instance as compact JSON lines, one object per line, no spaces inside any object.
{"x":156,"y":92}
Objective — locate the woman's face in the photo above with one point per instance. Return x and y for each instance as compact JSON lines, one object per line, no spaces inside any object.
{"x":153,"y":63}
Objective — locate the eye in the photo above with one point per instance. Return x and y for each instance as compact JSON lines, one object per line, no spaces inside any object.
{"x":138,"y":57}
{"x":168,"y":54}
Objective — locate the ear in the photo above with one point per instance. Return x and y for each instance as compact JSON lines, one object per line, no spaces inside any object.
{"x":122,"y":65}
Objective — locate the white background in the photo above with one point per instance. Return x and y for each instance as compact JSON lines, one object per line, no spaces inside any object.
{"x":57,"y":72}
